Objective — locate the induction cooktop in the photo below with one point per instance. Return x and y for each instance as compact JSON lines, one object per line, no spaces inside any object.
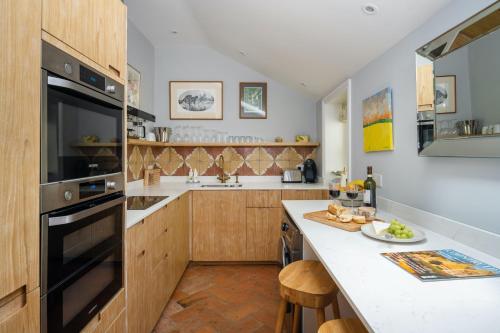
{"x":143,"y":202}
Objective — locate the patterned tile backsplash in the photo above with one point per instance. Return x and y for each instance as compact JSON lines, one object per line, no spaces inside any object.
{"x":246,"y":161}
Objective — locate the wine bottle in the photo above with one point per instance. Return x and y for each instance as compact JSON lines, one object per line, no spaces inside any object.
{"x":370,"y":196}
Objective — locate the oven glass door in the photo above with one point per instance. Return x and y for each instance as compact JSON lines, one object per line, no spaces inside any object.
{"x":81,"y":131}
{"x":71,"y":305}
{"x":425,"y":135}
{"x":74,"y":237}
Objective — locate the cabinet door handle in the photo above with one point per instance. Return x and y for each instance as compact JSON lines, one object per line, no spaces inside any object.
{"x":166,"y":255}
{"x":142,"y":253}
{"x":113,"y":69}
{"x":166,"y":229}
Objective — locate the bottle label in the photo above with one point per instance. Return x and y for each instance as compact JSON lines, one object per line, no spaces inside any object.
{"x":367,"y":197}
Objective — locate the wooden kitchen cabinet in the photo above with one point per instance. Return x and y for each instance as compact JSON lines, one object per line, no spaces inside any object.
{"x":107,"y":318}
{"x":157,"y":256}
{"x":263,"y":229}
{"x":219,"y":225}
{"x":264,"y":198}
{"x":304,"y":195}
{"x":20,"y":61}
{"x":94,"y":28}
{"x":21,"y":314}
{"x":425,"y":87}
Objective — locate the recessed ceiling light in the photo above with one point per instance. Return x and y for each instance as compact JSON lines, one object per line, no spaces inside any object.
{"x":303,"y":84}
{"x":174,"y":32}
{"x":370,"y":9}
{"x":243,"y":53}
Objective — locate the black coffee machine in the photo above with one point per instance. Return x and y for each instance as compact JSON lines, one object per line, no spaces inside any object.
{"x":310,"y":171}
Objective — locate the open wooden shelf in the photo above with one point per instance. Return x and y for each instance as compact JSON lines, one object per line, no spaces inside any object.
{"x":97,"y":145}
{"x":136,"y":142}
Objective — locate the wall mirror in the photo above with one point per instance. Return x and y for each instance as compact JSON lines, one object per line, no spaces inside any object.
{"x":458,"y":89}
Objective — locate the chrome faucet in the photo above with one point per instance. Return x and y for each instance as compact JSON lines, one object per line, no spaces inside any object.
{"x":222,"y":176}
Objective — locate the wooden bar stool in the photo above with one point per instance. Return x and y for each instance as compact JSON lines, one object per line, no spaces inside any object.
{"x":350,"y":325}
{"x":307,"y":284}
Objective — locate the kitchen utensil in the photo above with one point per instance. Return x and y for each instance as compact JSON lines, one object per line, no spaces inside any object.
{"x":468,"y":127}
{"x":162,"y":134}
{"x":369,"y":231}
{"x":321,"y":217}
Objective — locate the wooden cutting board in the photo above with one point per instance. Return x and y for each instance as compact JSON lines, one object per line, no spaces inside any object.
{"x":320,"y":217}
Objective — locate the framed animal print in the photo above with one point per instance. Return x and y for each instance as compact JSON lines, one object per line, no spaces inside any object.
{"x":196,"y":100}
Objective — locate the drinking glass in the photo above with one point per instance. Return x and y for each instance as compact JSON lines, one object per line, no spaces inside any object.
{"x":176,"y":134}
{"x":185,"y":133}
{"x":352,"y":193}
{"x":206,"y":135}
{"x":334,"y":190}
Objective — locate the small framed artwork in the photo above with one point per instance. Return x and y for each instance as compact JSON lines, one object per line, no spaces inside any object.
{"x":253,"y":100}
{"x":446,"y":94}
{"x":196,"y":100}
{"x":133,"y":87}
{"x":377,"y":122}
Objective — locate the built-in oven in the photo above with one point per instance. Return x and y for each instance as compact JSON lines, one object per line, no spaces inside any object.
{"x":82,"y":120}
{"x":425,"y":129}
{"x":291,"y":246}
{"x":82,"y":202}
{"x":81,"y":261}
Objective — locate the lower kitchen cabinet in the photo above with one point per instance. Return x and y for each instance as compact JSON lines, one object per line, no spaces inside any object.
{"x":157,"y":254}
{"x":263,"y":234}
{"x":21,"y":314}
{"x":110,"y":317}
{"x":304,"y":195}
{"x":219,"y":225}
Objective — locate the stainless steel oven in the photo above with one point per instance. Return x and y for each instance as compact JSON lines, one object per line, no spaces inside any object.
{"x":81,"y":261}
{"x":425,"y":129}
{"x":81,"y":191}
{"x":291,"y":241}
{"x":82,"y":120}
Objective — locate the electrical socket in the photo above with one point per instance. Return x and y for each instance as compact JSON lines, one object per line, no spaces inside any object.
{"x":378,"y":179}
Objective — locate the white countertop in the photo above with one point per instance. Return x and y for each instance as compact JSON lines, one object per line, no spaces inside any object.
{"x":387,"y":298}
{"x":174,"y":188}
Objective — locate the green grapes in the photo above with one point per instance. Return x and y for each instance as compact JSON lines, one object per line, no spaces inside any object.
{"x":400,"y":230}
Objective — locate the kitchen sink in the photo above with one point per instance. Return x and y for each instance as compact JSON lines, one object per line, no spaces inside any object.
{"x":222,"y":185}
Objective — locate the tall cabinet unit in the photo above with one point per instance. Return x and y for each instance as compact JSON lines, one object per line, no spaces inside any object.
{"x":95,"y":29}
{"x":19,"y":176}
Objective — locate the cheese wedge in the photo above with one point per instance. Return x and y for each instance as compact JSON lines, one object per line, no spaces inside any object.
{"x":380,"y":227}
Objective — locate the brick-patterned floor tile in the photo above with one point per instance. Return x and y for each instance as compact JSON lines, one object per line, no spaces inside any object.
{"x":223,"y":298}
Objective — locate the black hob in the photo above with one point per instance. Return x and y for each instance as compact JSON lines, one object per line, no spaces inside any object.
{"x":143,"y":202}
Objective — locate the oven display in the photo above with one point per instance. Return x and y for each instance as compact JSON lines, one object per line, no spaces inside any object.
{"x":92,"y":78}
{"x":89,"y":189}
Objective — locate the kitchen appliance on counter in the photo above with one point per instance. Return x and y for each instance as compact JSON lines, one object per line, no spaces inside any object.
{"x":81,"y":191}
{"x":291,"y":176}
{"x":310,"y":171}
{"x":143,"y":202}
{"x":135,"y":122}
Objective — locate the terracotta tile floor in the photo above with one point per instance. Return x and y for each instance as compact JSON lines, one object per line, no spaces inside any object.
{"x":223,"y":298}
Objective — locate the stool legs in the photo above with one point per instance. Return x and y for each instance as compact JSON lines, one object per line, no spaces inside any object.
{"x":281,"y":317}
{"x":336,"y":308}
{"x":296,"y":318}
{"x":320,"y":316}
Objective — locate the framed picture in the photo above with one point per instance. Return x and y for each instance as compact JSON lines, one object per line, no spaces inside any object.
{"x":133,"y":87}
{"x":377,"y":122}
{"x":446,"y":94}
{"x":253,"y":100}
{"x":196,"y":100}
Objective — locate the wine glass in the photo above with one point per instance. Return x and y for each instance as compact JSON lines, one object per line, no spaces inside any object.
{"x":334,"y":190}
{"x":352,"y":193}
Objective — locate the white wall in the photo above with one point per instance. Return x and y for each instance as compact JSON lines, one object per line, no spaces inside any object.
{"x":289,"y":112}
{"x":141,"y":56}
{"x":463,"y":189}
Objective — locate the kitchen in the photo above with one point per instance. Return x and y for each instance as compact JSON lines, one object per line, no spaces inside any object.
{"x":169,"y":167}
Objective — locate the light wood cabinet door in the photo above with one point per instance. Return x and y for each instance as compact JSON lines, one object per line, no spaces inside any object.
{"x":137,"y":275}
{"x":118,"y":326}
{"x":425,"y":87}
{"x":181,"y":237}
{"x":219,"y":225}
{"x":304,"y":195}
{"x":103,"y":321}
{"x":263,"y":233}
{"x":263,"y":198}
{"x":96,"y":29}
{"x":20,"y":63}
{"x":26,"y":315}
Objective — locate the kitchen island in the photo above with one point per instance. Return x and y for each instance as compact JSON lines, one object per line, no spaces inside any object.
{"x":388,"y":299}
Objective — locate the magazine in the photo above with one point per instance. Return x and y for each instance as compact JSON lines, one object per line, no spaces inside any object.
{"x":441,"y":265}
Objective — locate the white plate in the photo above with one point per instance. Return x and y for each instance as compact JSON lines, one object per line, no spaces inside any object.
{"x":369,"y":231}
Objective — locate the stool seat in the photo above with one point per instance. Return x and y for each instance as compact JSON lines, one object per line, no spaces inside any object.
{"x":350,"y":325}
{"x":307,"y":283}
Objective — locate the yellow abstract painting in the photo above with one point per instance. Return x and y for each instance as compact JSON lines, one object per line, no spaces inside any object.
{"x":377,"y":122}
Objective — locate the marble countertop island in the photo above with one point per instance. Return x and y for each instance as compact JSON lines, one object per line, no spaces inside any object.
{"x":388,"y":299}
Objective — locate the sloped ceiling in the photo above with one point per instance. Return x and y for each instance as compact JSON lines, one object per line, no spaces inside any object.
{"x":312,"y":45}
